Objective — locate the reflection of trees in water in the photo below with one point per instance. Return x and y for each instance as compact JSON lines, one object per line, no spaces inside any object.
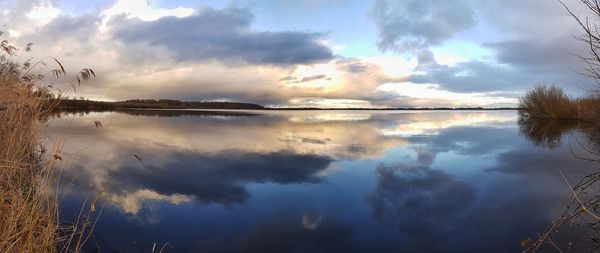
{"x":545,"y":132}
{"x":550,"y":133}
{"x":582,"y":212}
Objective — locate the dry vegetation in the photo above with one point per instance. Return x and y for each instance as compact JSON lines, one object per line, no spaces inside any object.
{"x":551,"y":102}
{"x":29,"y":220}
{"x":581,"y":215}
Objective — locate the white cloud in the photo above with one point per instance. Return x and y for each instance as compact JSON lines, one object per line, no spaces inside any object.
{"x":14,"y":33}
{"x":157,"y":65}
{"x":140,"y":9}
{"x":43,"y":13}
{"x":132,"y":202}
{"x":143,"y":10}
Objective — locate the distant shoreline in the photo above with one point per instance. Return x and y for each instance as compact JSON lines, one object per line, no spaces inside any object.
{"x":393,"y":109}
{"x":289,"y":109}
{"x":164,"y":104}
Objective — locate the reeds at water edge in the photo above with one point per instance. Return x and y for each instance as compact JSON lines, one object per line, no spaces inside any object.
{"x":551,"y":102}
{"x":29,"y":178}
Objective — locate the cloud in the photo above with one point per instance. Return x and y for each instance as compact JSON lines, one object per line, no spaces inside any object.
{"x":415,"y":24}
{"x":529,"y":43}
{"x":43,"y":13}
{"x":470,"y":76}
{"x":221,"y":177}
{"x":422,"y":201}
{"x":520,"y":19}
{"x":519,"y":65}
{"x":217,"y":54}
{"x":132,"y":202}
{"x":290,"y":234}
{"x":293,"y":79}
{"x":536,"y":161}
{"x":144,"y":10}
{"x":428,"y":204}
{"x":539,"y":55}
{"x":551,"y":59}
{"x":142,"y":49}
{"x":77,"y":28}
{"x":353,"y":65}
{"x":224,"y":35}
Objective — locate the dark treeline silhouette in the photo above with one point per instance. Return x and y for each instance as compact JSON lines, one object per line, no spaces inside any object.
{"x":157,"y":112}
{"x":392,"y":108}
{"x":153,"y":104}
{"x":177,"y":104}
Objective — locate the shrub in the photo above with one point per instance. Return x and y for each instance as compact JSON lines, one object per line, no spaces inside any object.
{"x":551,"y":102}
{"x":548,"y":102}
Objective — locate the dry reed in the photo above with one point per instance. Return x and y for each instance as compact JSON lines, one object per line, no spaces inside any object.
{"x":29,"y":220}
{"x":551,"y":102}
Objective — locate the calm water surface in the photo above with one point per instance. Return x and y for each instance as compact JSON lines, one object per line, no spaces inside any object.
{"x":312,"y":181}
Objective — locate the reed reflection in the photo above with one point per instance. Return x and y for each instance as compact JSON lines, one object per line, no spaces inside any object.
{"x":578,"y":222}
{"x":550,"y":133}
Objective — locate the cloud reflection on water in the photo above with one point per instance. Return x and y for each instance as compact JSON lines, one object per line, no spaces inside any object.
{"x":444,"y":176}
{"x":210,"y":158}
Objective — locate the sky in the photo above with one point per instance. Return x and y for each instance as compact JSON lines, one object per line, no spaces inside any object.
{"x":306,"y":53}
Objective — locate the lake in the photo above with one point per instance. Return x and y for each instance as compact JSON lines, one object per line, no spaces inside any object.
{"x":313,"y":181}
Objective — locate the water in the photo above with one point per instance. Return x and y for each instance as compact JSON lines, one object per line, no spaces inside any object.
{"x":312,"y":181}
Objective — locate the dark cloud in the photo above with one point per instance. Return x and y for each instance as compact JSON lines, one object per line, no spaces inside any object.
{"x":415,"y":24}
{"x":429,"y":205}
{"x":80,"y":28}
{"x":533,"y":19}
{"x":292,"y":79}
{"x":423,"y":202}
{"x":425,"y":157}
{"x":224,"y":35}
{"x":221,"y":177}
{"x":512,"y":73}
{"x":189,"y":90}
{"x":287,"y":78}
{"x":470,"y":76}
{"x":552,"y":59}
{"x":536,"y":48}
{"x":473,"y":76}
{"x":315,"y":141}
{"x":353,"y":65}
{"x":540,"y":55}
{"x":423,"y":191}
{"x":425,"y":58}
{"x":536,"y":161}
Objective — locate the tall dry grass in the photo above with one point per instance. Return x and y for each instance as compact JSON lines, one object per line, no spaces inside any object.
{"x":29,"y":220}
{"x":551,"y":102}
